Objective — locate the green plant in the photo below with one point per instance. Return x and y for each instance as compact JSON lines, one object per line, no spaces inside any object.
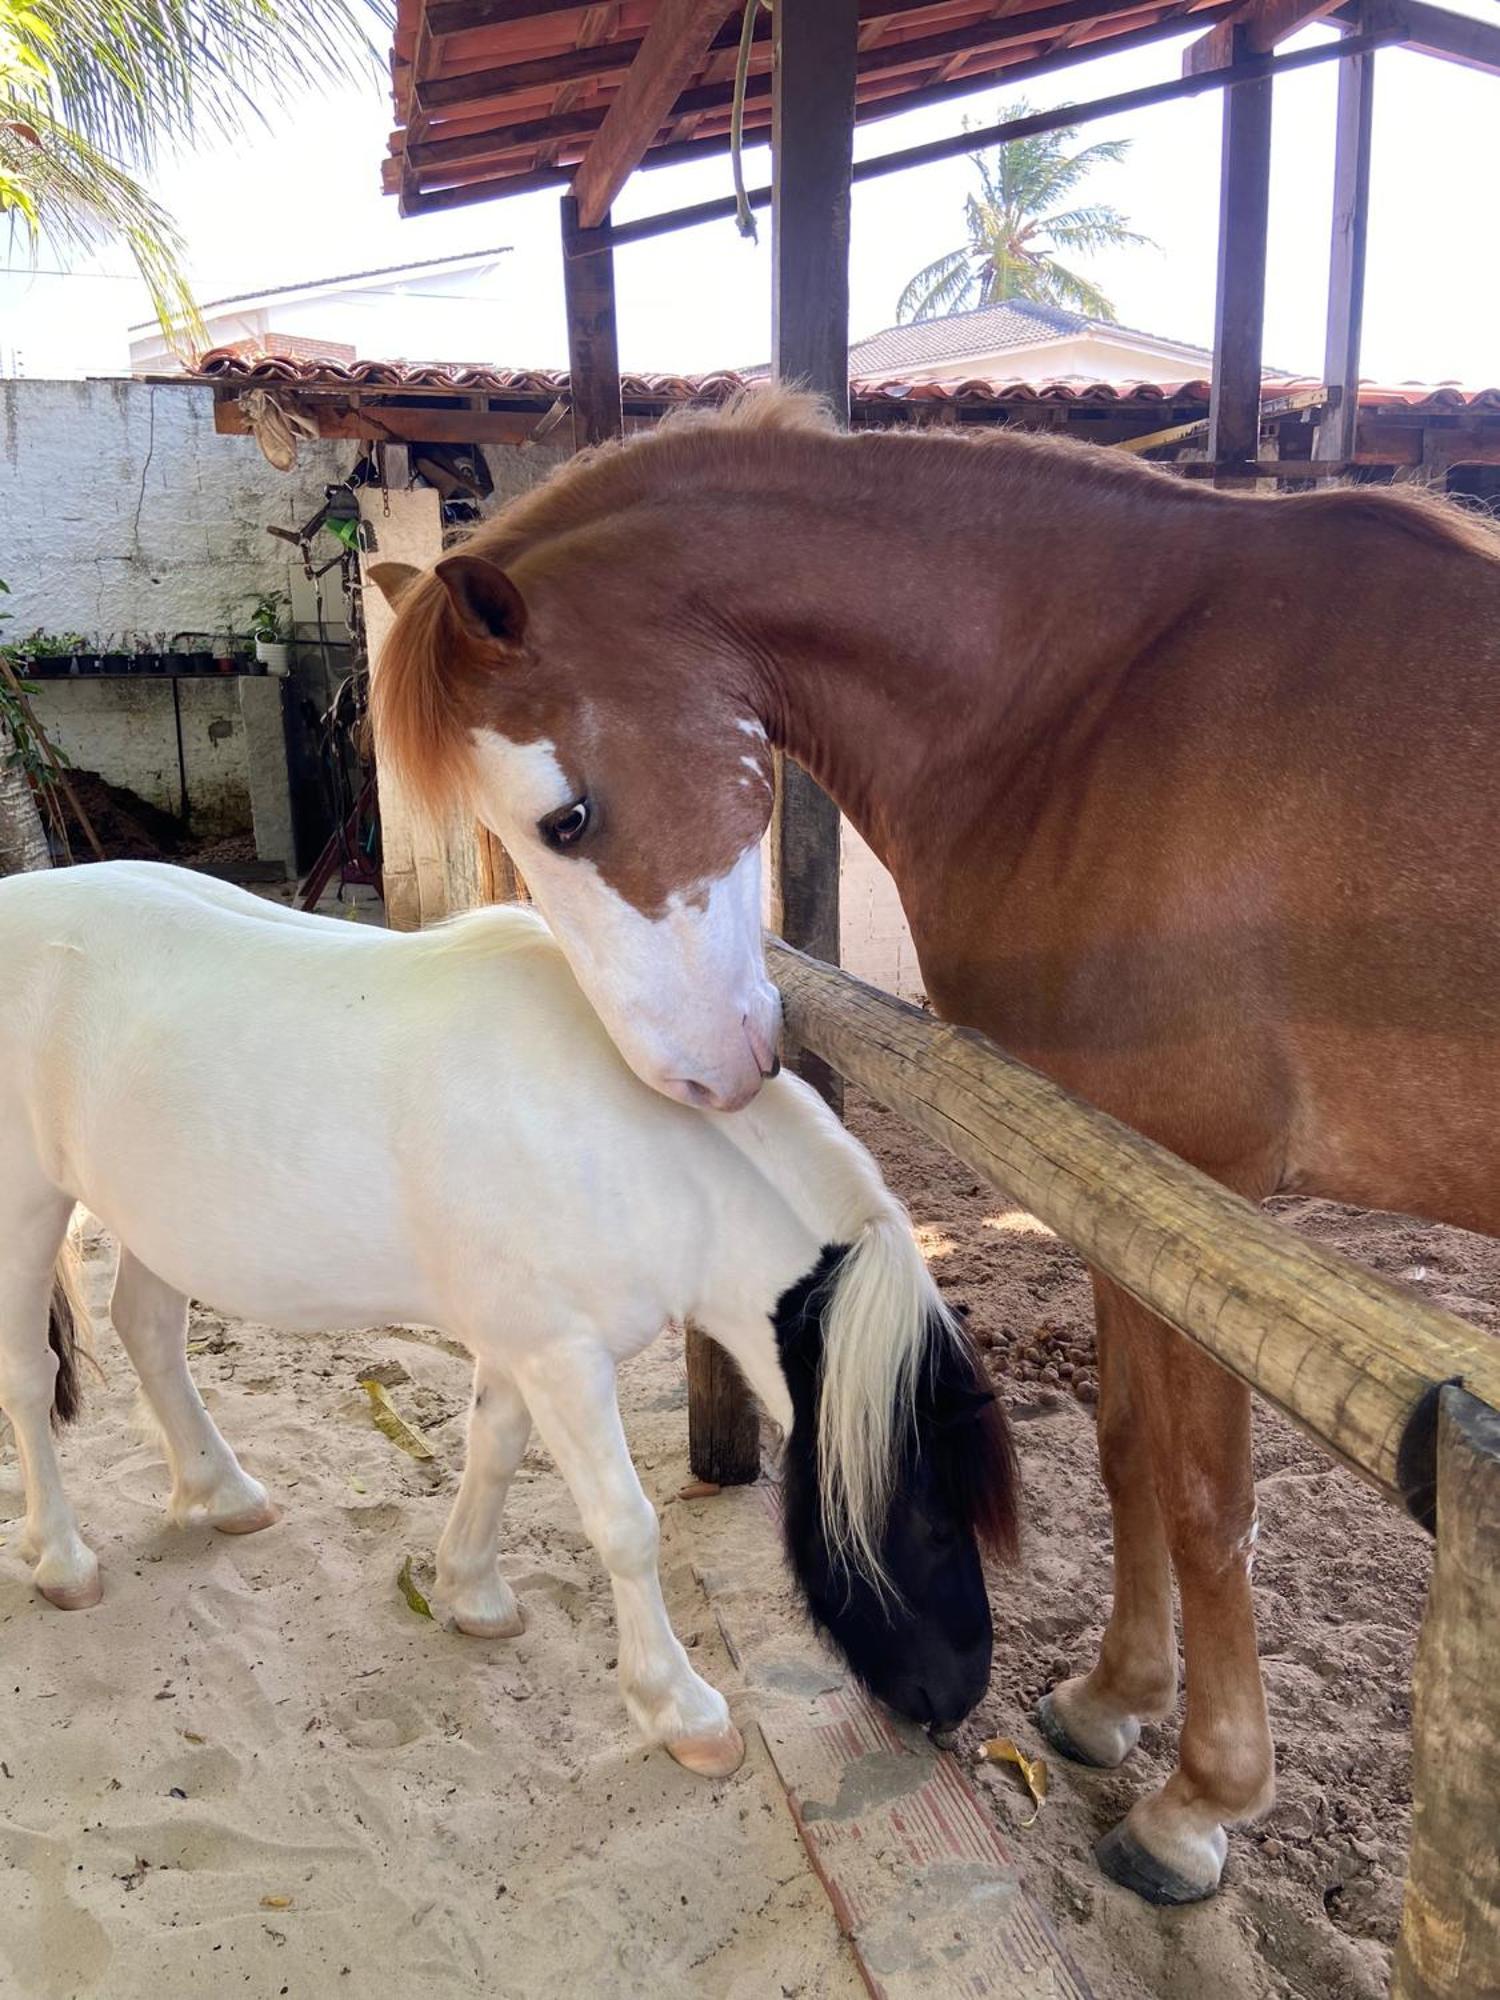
{"x":40,"y":645}
{"x":271,"y":617}
{"x":93,"y":90}
{"x":1016,"y":230}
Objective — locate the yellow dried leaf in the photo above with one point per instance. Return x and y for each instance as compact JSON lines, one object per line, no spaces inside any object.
{"x":406,"y":1583}
{"x":276,"y":1902}
{"x":390,"y":1420}
{"x":191,"y":1736}
{"x":358,"y":1485}
{"x":1000,"y":1750}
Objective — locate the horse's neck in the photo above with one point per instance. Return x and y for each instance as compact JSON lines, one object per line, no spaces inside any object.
{"x":916,"y":649}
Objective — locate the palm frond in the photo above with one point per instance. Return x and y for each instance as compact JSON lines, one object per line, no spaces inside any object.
{"x":59,"y":187}
{"x":1101,"y":227}
{"x":133,"y":76}
{"x":941,"y":287}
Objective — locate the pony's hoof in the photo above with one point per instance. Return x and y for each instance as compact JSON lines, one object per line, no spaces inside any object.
{"x":1101,"y":1757}
{"x":716,"y":1756}
{"x":1134,"y":1867}
{"x":249,"y":1520}
{"x":502,"y":1625}
{"x":74,"y":1596}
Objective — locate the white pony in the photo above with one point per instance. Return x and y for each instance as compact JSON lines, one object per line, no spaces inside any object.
{"x":308,"y":1123}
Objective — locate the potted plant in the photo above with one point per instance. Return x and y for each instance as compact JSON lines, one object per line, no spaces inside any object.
{"x":270,"y":621}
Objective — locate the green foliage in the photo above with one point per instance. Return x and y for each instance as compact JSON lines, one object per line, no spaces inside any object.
{"x":270,"y":617}
{"x":1017,"y":225}
{"x":92,"y":92}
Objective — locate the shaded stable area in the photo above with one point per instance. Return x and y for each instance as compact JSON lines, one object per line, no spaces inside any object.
{"x":578,"y":97}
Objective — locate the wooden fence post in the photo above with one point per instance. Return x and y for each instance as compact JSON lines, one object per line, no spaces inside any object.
{"x":1450,"y":1926}
{"x":723,"y":1416}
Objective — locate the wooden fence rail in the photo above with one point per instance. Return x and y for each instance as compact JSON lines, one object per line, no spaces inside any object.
{"x":1352,"y":1359}
{"x":1404,"y":1394}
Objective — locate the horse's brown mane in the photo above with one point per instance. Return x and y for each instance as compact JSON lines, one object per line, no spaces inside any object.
{"x":768,"y":438}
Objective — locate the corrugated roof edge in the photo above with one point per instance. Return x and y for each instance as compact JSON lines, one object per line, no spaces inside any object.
{"x":222,"y":366}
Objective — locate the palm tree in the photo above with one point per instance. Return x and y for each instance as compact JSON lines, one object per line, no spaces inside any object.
{"x":94,"y":91}
{"x":1017,"y":227}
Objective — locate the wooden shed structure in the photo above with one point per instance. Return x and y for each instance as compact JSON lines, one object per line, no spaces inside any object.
{"x":499,"y":96}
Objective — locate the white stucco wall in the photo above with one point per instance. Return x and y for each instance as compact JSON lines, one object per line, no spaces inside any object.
{"x":122,"y":511}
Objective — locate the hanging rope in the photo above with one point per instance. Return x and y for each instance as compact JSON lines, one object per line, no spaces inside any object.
{"x":744,"y":215}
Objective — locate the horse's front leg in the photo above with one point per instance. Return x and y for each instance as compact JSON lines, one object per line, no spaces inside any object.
{"x":1171,"y":1846}
{"x":1096,"y":1718}
{"x":571,"y":1393}
{"x":471,"y":1594}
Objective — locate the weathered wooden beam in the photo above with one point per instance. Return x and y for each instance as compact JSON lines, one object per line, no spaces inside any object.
{"x":1450,"y":1925}
{"x":1346,"y":258}
{"x":1239,"y":314}
{"x":601,"y":59}
{"x":723,"y":1417}
{"x":396,"y":423}
{"x":1355,"y":1361}
{"x":1432,"y":31}
{"x":674,"y":45}
{"x":1265,"y":23}
{"x":593,"y":340}
{"x":816,"y":47}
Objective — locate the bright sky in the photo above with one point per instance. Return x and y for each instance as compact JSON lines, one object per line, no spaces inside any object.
{"x":302,"y":201}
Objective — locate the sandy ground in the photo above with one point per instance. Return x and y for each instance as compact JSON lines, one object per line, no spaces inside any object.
{"x":253,"y":1764}
{"x":1312,"y":1896}
{"x":254,"y":1770}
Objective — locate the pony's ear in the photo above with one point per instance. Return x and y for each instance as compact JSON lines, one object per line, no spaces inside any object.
{"x":486,"y":602}
{"x":393,"y":580}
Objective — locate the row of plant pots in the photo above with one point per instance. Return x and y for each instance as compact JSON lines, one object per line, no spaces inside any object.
{"x":268,"y":658}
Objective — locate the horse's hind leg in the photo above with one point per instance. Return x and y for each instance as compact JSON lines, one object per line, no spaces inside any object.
{"x":471,"y":1593}
{"x":66,"y":1570}
{"x":208,"y":1482}
{"x":571,"y":1391}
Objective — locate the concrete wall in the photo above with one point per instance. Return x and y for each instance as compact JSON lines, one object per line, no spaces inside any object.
{"x":122,"y":511}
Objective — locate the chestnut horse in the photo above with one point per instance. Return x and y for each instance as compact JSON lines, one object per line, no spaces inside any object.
{"x":1192,"y":802}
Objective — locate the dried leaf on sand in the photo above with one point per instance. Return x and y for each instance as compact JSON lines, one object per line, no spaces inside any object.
{"x":390,"y":1420}
{"x":1001,"y":1750}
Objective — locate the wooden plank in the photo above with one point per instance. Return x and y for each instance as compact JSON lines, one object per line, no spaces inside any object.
{"x":1450,"y":1926}
{"x":1346,"y":258}
{"x":816,"y":44}
{"x":1354,"y":1360}
{"x":395,"y":423}
{"x":926,"y":1886}
{"x":440,"y":93}
{"x":675,"y":44}
{"x":1432,"y":31}
{"x":1244,"y":206}
{"x":1264,"y":22}
{"x":593,"y":341}
{"x":723,"y":1417}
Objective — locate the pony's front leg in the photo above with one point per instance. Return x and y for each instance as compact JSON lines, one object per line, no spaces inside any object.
{"x":571,"y":1392}
{"x":208,"y":1482}
{"x":471,"y":1594}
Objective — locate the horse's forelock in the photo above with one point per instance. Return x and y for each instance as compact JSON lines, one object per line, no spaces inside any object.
{"x":979,"y":1454}
{"x":416,"y":705}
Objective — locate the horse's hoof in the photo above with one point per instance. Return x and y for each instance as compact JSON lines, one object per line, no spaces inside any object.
{"x":74,"y":1596}
{"x":249,"y":1520}
{"x":509,"y":1625}
{"x":1134,"y":1867}
{"x":716,"y":1756}
{"x":1048,"y":1720}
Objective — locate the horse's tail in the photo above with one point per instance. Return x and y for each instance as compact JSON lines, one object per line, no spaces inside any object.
{"x":67,"y":1330}
{"x":893,"y":1364}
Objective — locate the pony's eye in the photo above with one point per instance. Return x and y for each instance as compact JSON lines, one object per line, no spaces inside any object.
{"x":565,"y":828}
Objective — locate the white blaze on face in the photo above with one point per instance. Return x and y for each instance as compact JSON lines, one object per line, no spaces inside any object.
{"x":683,"y":994}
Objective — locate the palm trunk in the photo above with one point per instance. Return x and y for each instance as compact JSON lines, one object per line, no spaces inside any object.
{"x":23,"y":844}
